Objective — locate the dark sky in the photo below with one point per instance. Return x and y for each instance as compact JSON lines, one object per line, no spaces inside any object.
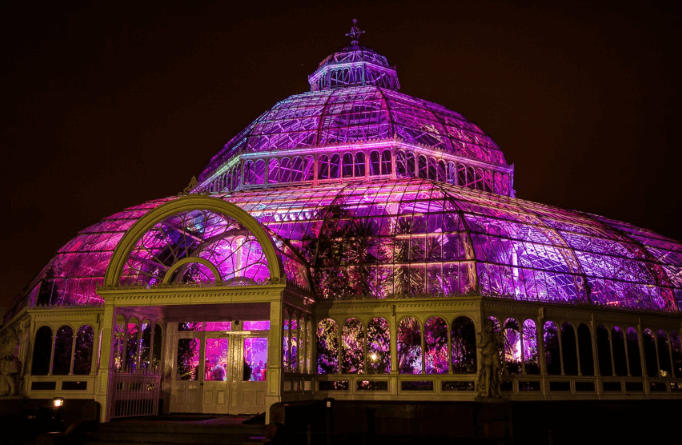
{"x":109,"y":104}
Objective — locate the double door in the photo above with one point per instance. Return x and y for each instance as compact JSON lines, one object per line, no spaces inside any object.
{"x":220,"y":372}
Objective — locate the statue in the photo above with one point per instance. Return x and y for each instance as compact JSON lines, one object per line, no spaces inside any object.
{"x":9,"y":365}
{"x":490,"y":342}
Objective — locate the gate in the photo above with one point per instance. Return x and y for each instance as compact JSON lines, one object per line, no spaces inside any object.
{"x":134,"y":394}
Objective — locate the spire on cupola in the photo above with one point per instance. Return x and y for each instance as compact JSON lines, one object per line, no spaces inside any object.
{"x":354,"y":65}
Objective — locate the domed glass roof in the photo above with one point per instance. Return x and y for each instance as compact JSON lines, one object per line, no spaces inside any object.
{"x":417,"y":238}
{"x":359,"y":114}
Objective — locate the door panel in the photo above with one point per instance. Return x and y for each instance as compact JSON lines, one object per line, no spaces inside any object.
{"x":187,"y":392}
{"x":251,"y":388}
{"x":216,"y":374}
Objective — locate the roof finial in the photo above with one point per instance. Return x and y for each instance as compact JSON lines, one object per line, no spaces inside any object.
{"x":355,"y":33}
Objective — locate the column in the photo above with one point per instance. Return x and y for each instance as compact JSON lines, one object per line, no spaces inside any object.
{"x":103,"y":379}
{"x":274,"y":374}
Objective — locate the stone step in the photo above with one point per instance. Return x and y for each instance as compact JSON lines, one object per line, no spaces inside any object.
{"x":178,"y":428}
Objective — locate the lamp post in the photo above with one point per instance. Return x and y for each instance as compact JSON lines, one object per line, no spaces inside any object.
{"x":57,"y":403}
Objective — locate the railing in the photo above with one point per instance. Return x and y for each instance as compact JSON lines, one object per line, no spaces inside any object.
{"x":134,"y":394}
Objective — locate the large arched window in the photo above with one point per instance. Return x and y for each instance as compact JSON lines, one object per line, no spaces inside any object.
{"x":285,"y":170}
{"x":585,"y":350}
{"x":259,"y":172}
{"x":604,"y":351}
{"x":63,"y":343}
{"x":323,"y":167}
{"x":359,"y":165}
{"x":386,"y":168}
{"x":409,"y":346}
{"x":374,"y":163}
{"x":530,"y":347}
{"x":634,"y":358}
{"x":335,"y":166}
{"x":42,"y":351}
{"x":436,"y":346}
{"x":568,"y":349}
{"x":309,"y":169}
{"x":352,"y":347}
{"x":664,"y":353}
{"x":676,"y":349}
{"x":620,"y":365}
{"x":378,"y":347}
{"x":463,"y":338}
{"x":327,"y":347}
{"x":512,"y":346}
{"x":552,"y":351}
{"x":273,"y":171}
{"x":82,"y":355}
{"x":296,"y":169}
{"x":650,"y":353}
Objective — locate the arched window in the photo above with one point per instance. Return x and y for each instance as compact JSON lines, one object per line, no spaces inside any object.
{"x":423,"y":167}
{"x":634,"y":359}
{"x":452,"y":173}
{"x":585,"y":350}
{"x":436,"y":346}
{"x":409,"y":346}
{"x":42,"y":351}
{"x":249,"y":177}
{"x":620,"y":365}
{"x":259,"y":172}
{"x":676,"y":349}
{"x":650,"y":353}
{"x":411,"y":165}
{"x":119,"y":342}
{"x":386,"y":168}
{"x":323,"y":167}
{"x":604,"y":351}
{"x":156,"y":349}
{"x":82,"y":354}
{"x":432,"y":169}
{"x":303,"y":345}
{"x":352,"y":347}
{"x":512,"y":346}
{"x":530,"y":347}
{"x":378,"y":347}
{"x":664,"y":354}
{"x":335,"y":167}
{"x":374,"y":163}
{"x":552,"y":351}
{"x":487,"y":180}
{"x":286,"y":338}
{"x":402,"y":170}
{"x":273,"y":171}
{"x":145,"y":344}
{"x":285,"y":170}
{"x":440,"y":171}
{"x":462,"y":175}
{"x":63,"y":342}
{"x":309,"y":169}
{"x":297,"y":169}
{"x":327,"y":347}
{"x":568,"y":349}
{"x":359,"y":165}
{"x":294,"y":335}
{"x":498,"y":183}
{"x":463,"y":339}
{"x":133,"y":344}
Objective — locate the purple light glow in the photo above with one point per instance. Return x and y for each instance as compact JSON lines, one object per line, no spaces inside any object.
{"x":216,"y":363}
{"x":255,"y":359}
{"x":263,"y":325}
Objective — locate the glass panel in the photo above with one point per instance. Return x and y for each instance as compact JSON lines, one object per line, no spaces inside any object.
{"x":327,"y":347}
{"x":188,"y":359}
{"x":352,"y":347}
{"x":156,"y":351}
{"x":378,"y":347}
{"x":212,"y":326}
{"x":119,"y":342}
{"x":409,"y":346}
{"x":190,"y":327}
{"x":664,"y":354}
{"x":82,"y":360}
{"x":436,"y":345}
{"x":530,"y":347}
{"x":568,"y":346}
{"x":619,"y":357}
{"x":512,"y":347}
{"x":255,"y":359}
{"x":585,"y":348}
{"x":463,"y":346}
{"x":42,"y":350}
{"x":132,"y":346}
{"x":634,"y":358}
{"x":374,"y":163}
{"x":263,"y":325}
{"x":676,"y":346}
{"x":552,"y":351}
{"x":604,"y":351}
{"x":215,"y":365}
{"x":650,"y":353}
{"x":293,"y":363}
{"x":145,"y":344}
{"x":386,"y":162}
{"x":61,"y":363}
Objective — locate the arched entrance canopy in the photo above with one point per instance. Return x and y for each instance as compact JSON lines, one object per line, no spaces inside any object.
{"x":125,"y":247}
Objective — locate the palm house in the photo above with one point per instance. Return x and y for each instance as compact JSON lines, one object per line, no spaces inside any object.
{"x":349,"y":243}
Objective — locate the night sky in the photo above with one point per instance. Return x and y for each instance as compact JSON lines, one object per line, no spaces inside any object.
{"x":108,"y":104}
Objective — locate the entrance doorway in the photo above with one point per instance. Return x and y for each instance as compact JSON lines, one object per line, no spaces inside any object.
{"x":220,"y":368}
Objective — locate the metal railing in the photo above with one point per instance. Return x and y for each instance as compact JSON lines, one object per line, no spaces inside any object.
{"x":134,"y":394}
